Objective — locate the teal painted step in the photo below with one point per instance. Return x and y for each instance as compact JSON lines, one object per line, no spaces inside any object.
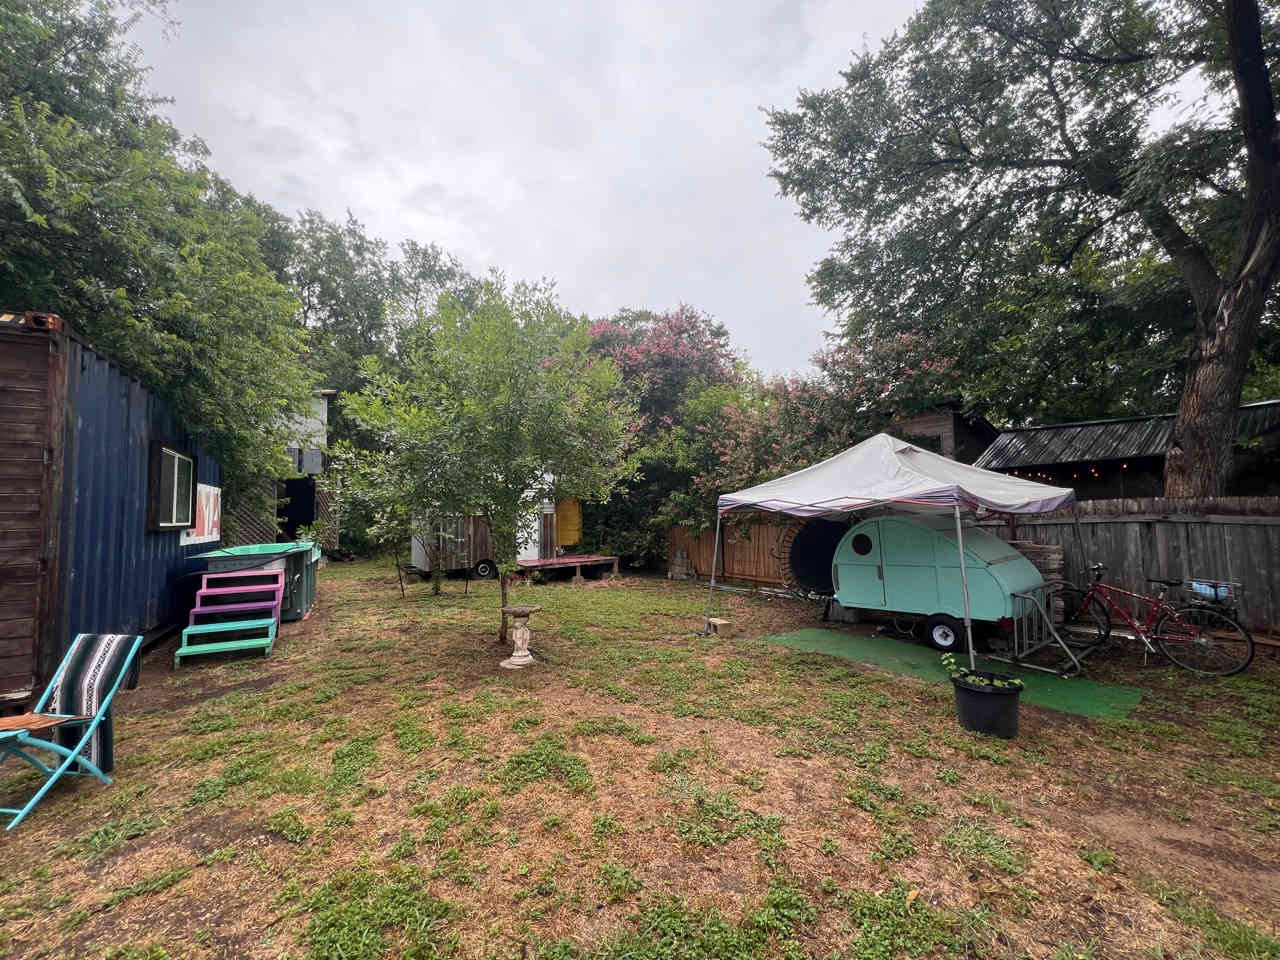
{"x":263,"y":643}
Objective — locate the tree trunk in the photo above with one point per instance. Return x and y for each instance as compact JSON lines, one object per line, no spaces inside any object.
{"x":395,"y":553}
{"x":1199,"y":458}
{"x":502,"y":617}
{"x":1198,"y":461}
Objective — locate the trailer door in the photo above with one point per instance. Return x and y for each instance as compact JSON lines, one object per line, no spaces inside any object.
{"x":859,"y":569}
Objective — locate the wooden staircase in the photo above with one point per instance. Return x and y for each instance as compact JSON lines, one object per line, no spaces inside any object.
{"x":236,"y":610}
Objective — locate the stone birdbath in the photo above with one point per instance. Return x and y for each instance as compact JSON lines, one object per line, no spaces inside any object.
{"x":520,"y":656}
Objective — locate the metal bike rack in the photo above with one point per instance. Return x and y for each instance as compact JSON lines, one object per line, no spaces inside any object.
{"x":1033,"y":630}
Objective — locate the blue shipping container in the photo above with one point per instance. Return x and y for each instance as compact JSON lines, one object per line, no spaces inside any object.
{"x":111,"y":470}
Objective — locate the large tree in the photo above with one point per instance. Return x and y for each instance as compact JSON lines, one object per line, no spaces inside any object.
{"x":504,"y":408}
{"x":346,"y":282}
{"x":361,"y":303}
{"x":666,"y":360}
{"x":110,"y":218}
{"x":995,"y":152}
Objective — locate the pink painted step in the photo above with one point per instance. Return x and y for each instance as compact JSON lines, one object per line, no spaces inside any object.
{"x":225,"y":591}
{"x":265,"y":605}
{"x":269,"y":578}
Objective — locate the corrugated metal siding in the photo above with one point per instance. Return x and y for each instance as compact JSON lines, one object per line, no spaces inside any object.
{"x":115,"y":575}
{"x":1108,"y":439}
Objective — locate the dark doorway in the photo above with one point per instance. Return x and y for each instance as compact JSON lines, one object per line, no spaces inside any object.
{"x":299,"y":506}
{"x":812,"y":550}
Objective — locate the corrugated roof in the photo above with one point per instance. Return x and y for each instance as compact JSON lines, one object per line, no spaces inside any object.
{"x":1108,"y":439}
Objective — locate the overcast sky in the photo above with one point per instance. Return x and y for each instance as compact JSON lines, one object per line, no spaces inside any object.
{"x":613,"y":147}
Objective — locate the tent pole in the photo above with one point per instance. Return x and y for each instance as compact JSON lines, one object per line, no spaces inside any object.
{"x":711,"y":592}
{"x":964,"y":585}
{"x":1084,"y":563}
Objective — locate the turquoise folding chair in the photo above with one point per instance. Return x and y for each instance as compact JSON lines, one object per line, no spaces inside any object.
{"x":74,"y":713}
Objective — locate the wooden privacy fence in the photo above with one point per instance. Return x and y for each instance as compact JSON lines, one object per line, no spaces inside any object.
{"x":748,"y":551}
{"x":1220,"y":538}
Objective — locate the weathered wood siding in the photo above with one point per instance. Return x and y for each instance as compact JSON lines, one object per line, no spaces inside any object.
{"x":29,"y":415}
{"x":937,"y":426}
{"x":466,"y":541}
{"x":749,"y":552}
{"x":547,"y":535}
{"x":1221,"y":538}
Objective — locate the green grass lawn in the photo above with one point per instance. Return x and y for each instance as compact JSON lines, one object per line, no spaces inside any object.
{"x":379,"y":788}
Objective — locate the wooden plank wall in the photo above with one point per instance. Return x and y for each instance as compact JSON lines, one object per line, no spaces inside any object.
{"x":1223,"y":538}
{"x":26,"y":406}
{"x":547,"y":543}
{"x":750,"y":551}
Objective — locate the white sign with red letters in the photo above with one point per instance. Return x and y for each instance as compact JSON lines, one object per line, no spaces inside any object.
{"x":208,"y":528}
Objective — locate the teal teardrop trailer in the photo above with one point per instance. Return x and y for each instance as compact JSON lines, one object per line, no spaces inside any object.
{"x":910,"y":565}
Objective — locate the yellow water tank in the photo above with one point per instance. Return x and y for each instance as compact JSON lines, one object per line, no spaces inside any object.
{"x":568,"y":522}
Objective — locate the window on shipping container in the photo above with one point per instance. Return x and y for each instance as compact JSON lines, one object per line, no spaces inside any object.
{"x":172,"y":489}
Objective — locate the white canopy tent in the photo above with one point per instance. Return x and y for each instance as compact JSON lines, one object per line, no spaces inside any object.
{"x":883,"y":471}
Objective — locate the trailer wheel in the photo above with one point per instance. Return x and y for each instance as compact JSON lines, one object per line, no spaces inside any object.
{"x":485,"y":570}
{"x":944,"y":633}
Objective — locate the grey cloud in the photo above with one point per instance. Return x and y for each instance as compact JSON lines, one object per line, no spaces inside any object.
{"x":615,"y":148}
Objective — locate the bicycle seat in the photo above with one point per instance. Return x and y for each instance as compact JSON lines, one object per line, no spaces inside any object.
{"x":1167,"y":583}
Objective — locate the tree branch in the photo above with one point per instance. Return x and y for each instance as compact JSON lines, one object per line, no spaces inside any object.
{"x":1080,"y":241}
{"x":1060,"y":111}
{"x":1253,"y":85}
{"x":1189,"y":257}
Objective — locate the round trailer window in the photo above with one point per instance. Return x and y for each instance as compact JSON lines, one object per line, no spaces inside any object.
{"x":861,"y":544}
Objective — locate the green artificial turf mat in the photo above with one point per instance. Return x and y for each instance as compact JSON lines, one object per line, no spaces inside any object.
{"x":1077,"y":695}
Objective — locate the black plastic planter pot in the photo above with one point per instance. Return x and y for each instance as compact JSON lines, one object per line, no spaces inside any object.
{"x":983,"y":709}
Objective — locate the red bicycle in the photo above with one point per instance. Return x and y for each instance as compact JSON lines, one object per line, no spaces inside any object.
{"x":1199,"y":636}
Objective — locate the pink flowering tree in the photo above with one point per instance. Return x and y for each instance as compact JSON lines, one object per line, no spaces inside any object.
{"x":667,"y":361}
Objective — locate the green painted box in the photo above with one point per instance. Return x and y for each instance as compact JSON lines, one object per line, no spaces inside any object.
{"x":298,"y":560}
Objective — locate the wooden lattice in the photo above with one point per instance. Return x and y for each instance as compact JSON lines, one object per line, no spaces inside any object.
{"x":251,"y":517}
{"x":328,"y":516}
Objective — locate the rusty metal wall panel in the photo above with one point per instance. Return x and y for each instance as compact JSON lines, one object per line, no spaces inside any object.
{"x":28,"y":383}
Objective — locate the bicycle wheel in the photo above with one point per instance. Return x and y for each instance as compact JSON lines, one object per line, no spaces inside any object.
{"x":1205,"y":641}
{"x":1083,"y":616}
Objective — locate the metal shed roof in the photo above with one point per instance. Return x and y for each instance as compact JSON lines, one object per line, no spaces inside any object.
{"x":1108,"y":439}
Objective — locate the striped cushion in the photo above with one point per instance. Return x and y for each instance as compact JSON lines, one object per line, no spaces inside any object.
{"x":93,"y":664}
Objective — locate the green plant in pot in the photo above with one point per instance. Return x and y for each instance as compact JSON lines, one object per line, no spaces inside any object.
{"x":985,"y":702}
